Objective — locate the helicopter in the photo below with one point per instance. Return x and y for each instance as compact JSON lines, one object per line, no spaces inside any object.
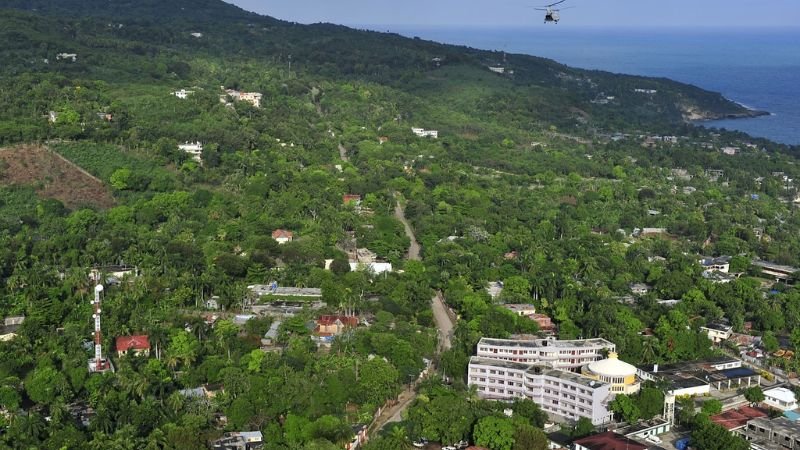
{"x":551,"y":15}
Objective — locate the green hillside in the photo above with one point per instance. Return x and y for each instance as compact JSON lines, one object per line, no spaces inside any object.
{"x":568,"y":186}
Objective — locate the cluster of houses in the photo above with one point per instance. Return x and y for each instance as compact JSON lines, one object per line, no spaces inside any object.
{"x":254,"y":98}
{"x":528,"y":311}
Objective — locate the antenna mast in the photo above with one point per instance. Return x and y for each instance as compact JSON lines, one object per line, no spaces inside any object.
{"x":98,"y":363}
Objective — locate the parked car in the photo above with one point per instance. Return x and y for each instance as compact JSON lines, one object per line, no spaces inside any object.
{"x":449,"y":447}
{"x":419,"y":443}
{"x":462,"y":444}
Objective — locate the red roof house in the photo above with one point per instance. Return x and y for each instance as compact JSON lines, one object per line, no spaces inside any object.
{"x":335,"y":325}
{"x":607,"y":441}
{"x":282,"y":236}
{"x":140,"y":345}
{"x":738,"y":418}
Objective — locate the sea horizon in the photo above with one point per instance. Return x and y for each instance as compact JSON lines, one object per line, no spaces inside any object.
{"x":757,"y":67}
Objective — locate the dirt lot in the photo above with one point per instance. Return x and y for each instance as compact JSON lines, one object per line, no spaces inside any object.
{"x":52,"y":176}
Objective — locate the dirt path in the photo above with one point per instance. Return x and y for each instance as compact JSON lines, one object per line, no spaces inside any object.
{"x":444,"y":330}
{"x":343,"y":153}
{"x":414,"y":248}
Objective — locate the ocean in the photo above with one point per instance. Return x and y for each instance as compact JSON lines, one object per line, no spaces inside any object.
{"x":759,"y":68}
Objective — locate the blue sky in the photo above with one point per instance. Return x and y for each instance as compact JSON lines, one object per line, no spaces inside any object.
{"x":492,"y":13}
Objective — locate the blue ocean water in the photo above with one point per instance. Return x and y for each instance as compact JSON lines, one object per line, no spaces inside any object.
{"x":759,"y":68}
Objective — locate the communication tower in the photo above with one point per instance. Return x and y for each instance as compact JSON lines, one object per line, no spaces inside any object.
{"x":98,"y":363}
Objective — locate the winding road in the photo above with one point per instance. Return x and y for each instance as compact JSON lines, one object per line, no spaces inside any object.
{"x":444,"y":326}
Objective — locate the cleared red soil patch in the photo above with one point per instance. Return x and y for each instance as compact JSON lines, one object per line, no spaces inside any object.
{"x":52,"y":176}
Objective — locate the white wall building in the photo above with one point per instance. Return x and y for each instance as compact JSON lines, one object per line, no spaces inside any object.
{"x":70,"y":56}
{"x":562,"y":355}
{"x":719,"y":264}
{"x":375,"y":267}
{"x":781,"y":398}
{"x":193,"y":148}
{"x":182,"y":94}
{"x":559,"y":393}
{"x":421,"y":132}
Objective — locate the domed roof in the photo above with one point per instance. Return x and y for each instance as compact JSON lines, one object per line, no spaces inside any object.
{"x":612,"y":367}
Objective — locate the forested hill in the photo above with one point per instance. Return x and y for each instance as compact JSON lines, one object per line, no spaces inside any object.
{"x":542,"y":89}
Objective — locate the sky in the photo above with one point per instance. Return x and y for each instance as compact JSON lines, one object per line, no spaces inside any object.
{"x":379,"y":14}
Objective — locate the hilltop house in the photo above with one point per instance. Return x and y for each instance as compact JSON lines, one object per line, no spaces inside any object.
{"x":112,"y":274}
{"x":421,"y":132}
{"x":139,"y":345}
{"x":193,"y":148}
{"x":8,"y":330}
{"x":182,"y":94}
{"x":282,"y":236}
{"x":254,"y":98}
{"x":334,"y":325}
{"x":640,"y":289}
{"x":67,"y":56}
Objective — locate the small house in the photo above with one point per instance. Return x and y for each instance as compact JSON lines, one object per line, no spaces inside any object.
{"x":640,"y":288}
{"x":139,"y":345}
{"x":282,"y":236}
{"x":8,"y":330}
{"x":333,"y":325}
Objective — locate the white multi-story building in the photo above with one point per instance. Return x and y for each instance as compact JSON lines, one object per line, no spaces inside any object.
{"x":193,"y":148}
{"x":561,"y":355}
{"x":560,"y":393}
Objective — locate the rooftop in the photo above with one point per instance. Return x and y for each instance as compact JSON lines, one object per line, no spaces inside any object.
{"x":737,"y":418}
{"x":274,"y":289}
{"x":612,"y":367}
{"x":781,"y":425}
{"x":719,"y":326}
{"x":139,"y":342}
{"x":538,"y":369}
{"x":544,"y":343}
{"x":732,"y":374}
{"x":609,"y":441}
{"x":782,"y":394}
